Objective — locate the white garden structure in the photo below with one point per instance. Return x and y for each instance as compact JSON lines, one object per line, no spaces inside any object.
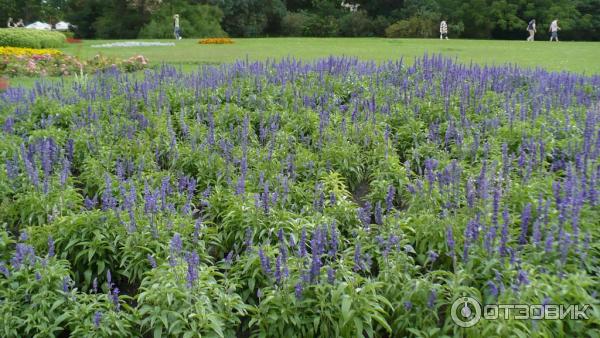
{"x":351,"y":7}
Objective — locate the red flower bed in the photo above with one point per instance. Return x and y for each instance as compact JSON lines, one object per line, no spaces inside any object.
{"x":4,"y":84}
{"x":73,"y":40}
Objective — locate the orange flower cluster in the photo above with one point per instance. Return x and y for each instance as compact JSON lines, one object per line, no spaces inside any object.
{"x":216,"y":41}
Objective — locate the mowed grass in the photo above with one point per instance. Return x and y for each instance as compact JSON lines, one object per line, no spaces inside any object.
{"x":581,"y":57}
{"x":569,"y":56}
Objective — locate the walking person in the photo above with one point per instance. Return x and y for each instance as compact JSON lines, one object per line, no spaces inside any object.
{"x":177,"y":30}
{"x":443,"y":30}
{"x":531,"y":29}
{"x":10,"y":23}
{"x":554,"y":30}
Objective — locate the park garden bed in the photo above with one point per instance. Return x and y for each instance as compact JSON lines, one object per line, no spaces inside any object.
{"x":16,"y":61}
{"x":330,"y":198}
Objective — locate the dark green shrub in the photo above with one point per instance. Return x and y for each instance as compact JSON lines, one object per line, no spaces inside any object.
{"x":196,"y":22}
{"x":380,"y":23}
{"x":294,"y":24}
{"x":322,"y":26}
{"x":252,"y":18}
{"x":456,"y":29}
{"x":357,"y":24}
{"x":30,"y":38}
{"x":414,"y":27}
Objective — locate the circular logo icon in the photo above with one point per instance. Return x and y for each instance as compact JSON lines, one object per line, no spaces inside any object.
{"x":466,"y":311}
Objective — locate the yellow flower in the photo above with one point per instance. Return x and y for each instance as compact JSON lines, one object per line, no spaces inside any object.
{"x":17,"y":51}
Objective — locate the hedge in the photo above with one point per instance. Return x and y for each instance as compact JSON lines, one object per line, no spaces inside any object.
{"x":30,"y":38}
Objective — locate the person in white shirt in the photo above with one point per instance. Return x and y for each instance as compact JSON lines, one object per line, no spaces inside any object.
{"x":554,"y":30}
{"x":177,"y":30}
{"x":443,"y":30}
{"x":531,"y":29}
{"x":10,"y":23}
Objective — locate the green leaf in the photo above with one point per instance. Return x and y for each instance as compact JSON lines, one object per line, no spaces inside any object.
{"x":163,"y":318}
{"x":101,"y":266}
{"x":158,"y":331}
{"x":359,"y":327}
{"x":346,"y":303}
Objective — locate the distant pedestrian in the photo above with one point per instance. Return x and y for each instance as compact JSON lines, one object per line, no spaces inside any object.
{"x":177,"y":30}
{"x":10,"y":23}
{"x":20,"y":23}
{"x":531,"y":29}
{"x":554,"y":30}
{"x":443,"y":30}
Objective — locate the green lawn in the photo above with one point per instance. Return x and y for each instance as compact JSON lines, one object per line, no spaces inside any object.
{"x":569,"y":56}
{"x":573,"y":56}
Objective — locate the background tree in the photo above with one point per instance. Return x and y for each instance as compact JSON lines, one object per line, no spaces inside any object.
{"x":8,"y":8}
{"x":53,"y":11}
{"x":196,"y":21}
{"x":83,"y":14}
{"x":499,"y":19}
{"x":118,"y":18}
{"x":251,"y":18}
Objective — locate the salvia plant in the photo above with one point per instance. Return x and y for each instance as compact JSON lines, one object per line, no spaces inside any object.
{"x":331,"y":198}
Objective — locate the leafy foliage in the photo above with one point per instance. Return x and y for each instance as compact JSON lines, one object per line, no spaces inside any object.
{"x":30,"y":38}
{"x":168,"y":307}
{"x":506,"y":19}
{"x":196,"y":22}
{"x":334,"y":197}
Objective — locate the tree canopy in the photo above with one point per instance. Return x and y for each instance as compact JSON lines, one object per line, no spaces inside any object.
{"x":503,"y":19}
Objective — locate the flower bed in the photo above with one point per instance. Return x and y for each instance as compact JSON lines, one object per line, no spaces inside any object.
{"x":325,"y":198}
{"x":216,"y":41}
{"x":64,"y":65}
{"x":74,"y":40}
{"x":135,"y":63}
{"x":18,"y":51}
{"x":4,"y":83}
